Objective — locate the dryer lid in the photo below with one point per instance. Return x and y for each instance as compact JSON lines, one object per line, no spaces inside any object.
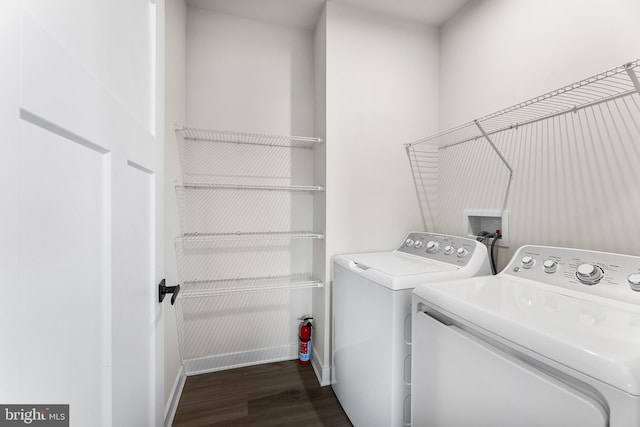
{"x":598,"y":337}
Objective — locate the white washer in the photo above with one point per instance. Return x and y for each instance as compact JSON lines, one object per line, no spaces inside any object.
{"x":552,"y":340}
{"x":372,"y":320}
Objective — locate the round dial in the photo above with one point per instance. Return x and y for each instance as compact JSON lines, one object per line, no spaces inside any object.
{"x":550,"y":266}
{"x":408,"y":242}
{"x":432,"y":246}
{"x":448,"y":250}
{"x":634,"y":281}
{"x":527,"y":261}
{"x":462,"y":252}
{"x":589,"y":274}
{"x":418,"y":244}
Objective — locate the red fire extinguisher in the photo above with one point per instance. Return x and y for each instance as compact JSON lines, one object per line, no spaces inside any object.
{"x":305,"y":341}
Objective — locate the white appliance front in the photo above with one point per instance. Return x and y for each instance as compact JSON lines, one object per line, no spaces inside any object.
{"x":543,"y":343}
{"x":372,"y":336}
{"x":371,"y":367}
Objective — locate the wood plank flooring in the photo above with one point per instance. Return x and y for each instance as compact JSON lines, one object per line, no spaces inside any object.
{"x":274,"y":394}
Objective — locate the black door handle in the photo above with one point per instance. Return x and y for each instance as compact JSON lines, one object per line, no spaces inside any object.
{"x":163,"y":290}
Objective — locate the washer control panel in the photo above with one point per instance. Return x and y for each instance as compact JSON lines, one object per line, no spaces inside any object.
{"x":605,"y":274}
{"x":441,"y":247}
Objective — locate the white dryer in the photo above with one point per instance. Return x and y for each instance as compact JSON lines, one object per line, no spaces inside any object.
{"x":552,"y":340}
{"x":371,"y":366}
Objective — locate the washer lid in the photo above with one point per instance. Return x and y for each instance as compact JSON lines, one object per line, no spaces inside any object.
{"x":398,"y":264}
{"x":597,"y":336}
{"x":399,"y":271}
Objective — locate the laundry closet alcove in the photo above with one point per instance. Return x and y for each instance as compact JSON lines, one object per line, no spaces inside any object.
{"x":245,"y":251}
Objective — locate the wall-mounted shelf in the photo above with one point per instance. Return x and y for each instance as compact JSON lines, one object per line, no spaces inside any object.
{"x":214,"y":186}
{"x":612,"y":84}
{"x":240,"y":214}
{"x":606,"y":101}
{"x":239,"y":236}
{"x":248,"y":138}
{"x":245,"y":251}
{"x":211,"y":288}
{"x":246,"y":208}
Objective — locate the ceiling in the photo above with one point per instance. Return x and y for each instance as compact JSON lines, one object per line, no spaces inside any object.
{"x":305,"y":13}
{"x":430,"y":12}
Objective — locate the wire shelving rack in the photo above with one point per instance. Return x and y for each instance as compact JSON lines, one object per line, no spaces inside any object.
{"x":603,"y":87}
{"x":232,"y":210}
{"x":618,"y":84}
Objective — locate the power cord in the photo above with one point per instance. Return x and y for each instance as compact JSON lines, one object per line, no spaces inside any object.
{"x":494,"y":256}
{"x":482,"y":236}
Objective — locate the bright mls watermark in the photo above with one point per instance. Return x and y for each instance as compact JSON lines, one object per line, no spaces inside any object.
{"x":34,"y":415}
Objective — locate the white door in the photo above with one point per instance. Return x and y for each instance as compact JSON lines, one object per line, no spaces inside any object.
{"x":79,"y":166}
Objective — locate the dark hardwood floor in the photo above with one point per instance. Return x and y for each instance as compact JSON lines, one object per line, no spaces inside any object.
{"x":274,"y":394}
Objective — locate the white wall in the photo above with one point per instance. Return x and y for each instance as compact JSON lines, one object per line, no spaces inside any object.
{"x":496,"y":53}
{"x":247,"y":75}
{"x":175,"y":95}
{"x":382,"y":91}
{"x":321,"y":296}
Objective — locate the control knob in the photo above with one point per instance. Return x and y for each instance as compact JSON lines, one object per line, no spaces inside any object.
{"x":634,"y":281}
{"x":462,"y":252}
{"x":418,"y":244}
{"x":589,"y":274}
{"x":550,"y":266}
{"x":448,"y":250}
{"x":432,"y":246}
{"x":527,"y":261}
{"x":408,"y":242}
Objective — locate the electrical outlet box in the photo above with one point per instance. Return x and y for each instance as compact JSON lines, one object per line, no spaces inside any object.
{"x":476,"y":221}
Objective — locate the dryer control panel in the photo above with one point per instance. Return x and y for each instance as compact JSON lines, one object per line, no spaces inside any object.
{"x":604,"y":274}
{"x":440,"y":247}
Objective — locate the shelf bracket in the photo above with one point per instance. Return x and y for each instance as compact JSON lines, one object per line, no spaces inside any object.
{"x":633,"y":76}
{"x":495,"y":148}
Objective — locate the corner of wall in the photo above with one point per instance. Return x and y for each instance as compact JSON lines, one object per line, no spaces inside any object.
{"x":323,"y":373}
{"x":174,"y":398}
{"x":175,"y":51}
{"x":320,"y":307}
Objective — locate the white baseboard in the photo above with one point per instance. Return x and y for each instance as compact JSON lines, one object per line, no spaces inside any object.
{"x":172,"y":405}
{"x":322,"y":372}
{"x":221,"y":362}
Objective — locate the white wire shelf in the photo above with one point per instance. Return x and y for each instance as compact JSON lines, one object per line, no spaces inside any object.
{"x":607,"y":86}
{"x":213,"y":186}
{"x":249,"y":138}
{"x":239,"y":236}
{"x":608,"y":102}
{"x":209,"y":288}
